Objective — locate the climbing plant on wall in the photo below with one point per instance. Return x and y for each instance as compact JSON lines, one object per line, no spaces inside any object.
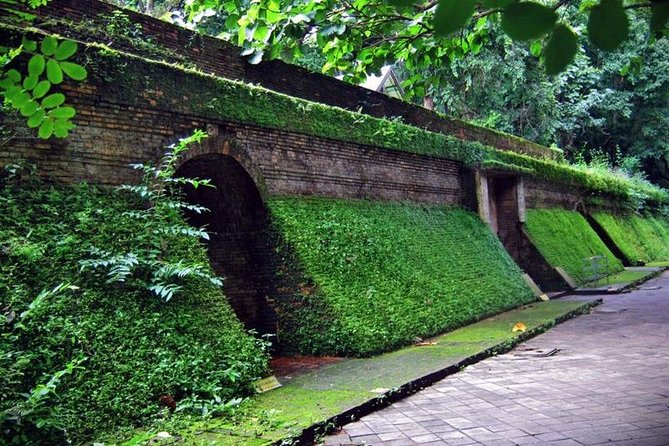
{"x":29,"y":75}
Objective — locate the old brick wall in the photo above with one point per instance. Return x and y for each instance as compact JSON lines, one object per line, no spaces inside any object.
{"x":132,"y":118}
{"x":218,"y":57}
{"x":547,"y":194}
{"x":127,"y":112}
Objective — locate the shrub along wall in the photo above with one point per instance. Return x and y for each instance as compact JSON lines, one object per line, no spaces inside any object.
{"x":375,"y":275}
{"x":640,"y":238}
{"x":565,"y":238}
{"x":97,"y":356}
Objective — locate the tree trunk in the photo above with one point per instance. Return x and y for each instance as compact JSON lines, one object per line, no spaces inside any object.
{"x":428,"y":102}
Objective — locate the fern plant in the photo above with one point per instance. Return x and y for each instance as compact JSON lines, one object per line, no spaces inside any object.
{"x":159,"y":212}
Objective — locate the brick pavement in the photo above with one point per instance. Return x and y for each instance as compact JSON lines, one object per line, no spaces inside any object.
{"x":608,"y":384}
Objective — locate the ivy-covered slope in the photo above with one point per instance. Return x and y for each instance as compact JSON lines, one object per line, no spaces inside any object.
{"x":640,"y":238}
{"x":376,"y":275}
{"x":565,"y":239}
{"x":94,"y":356}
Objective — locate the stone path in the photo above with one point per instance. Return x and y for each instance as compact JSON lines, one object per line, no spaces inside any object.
{"x":607,"y":384}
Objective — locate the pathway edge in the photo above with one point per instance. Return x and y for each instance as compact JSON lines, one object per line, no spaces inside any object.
{"x":311,"y":433}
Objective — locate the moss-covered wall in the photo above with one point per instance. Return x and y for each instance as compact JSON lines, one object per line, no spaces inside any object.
{"x":565,"y":239}
{"x":640,"y":238}
{"x":373,"y":276}
{"x":163,"y":41}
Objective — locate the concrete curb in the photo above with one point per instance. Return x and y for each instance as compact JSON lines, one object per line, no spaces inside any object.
{"x":308,"y":435}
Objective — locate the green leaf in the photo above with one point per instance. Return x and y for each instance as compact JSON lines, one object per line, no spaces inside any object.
{"x":6,"y":83}
{"x":659,"y":16}
{"x":14,"y":75}
{"x":41,"y":89}
{"x":231,"y":21}
{"x":528,"y":20}
{"x":608,"y":26}
{"x":535,"y":48}
{"x":65,"y":50}
{"x":402,"y":3}
{"x":21,"y":99}
{"x":46,"y":129}
{"x":36,"y":65}
{"x":36,"y":119}
{"x":30,"y":82}
{"x":452,"y":15}
{"x":54,"y":72}
{"x":63,"y":113}
{"x":494,"y":4}
{"x":261,"y":33}
{"x":560,"y":50}
{"x":53,"y":100}
{"x":74,"y":71}
{"x":29,"y":108}
{"x":13,"y":92}
{"x":61,"y":128}
{"x":49,"y":45}
{"x":29,"y":45}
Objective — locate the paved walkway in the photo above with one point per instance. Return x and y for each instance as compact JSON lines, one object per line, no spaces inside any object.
{"x":607,"y":384}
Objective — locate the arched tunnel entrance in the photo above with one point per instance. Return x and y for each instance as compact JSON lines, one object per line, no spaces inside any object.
{"x":239,"y":248}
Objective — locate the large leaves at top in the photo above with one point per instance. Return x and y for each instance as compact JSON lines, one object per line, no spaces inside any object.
{"x":608,"y":26}
{"x":659,"y":15}
{"x":452,"y":15}
{"x":560,"y":49}
{"x":528,"y":20}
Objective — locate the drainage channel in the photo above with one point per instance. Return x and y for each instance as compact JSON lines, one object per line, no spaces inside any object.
{"x":530,"y":352}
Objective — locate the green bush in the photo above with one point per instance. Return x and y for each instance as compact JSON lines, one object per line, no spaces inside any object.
{"x":94,"y":356}
{"x":640,"y":238}
{"x":375,"y":275}
{"x":565,"y":239}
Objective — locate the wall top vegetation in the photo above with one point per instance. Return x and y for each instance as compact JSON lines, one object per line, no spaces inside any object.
{"x":100,"y":22}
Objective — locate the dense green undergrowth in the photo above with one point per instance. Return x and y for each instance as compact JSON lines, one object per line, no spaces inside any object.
{"x":94,"y":356}
{"x":376,"y":275}
{"x":565,"y":239}
{"x":642,"y":239}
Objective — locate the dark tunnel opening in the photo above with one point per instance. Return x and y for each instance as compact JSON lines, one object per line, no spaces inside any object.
{"x":239,"y":248}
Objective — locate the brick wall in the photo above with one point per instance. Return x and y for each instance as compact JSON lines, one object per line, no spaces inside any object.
{"x":546,"y":194}
{"x":131,"y":118}
{"x":119,"y":123}
{"x":218,"y":57}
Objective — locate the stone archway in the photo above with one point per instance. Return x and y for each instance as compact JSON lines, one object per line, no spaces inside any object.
{"x":239,"y":248}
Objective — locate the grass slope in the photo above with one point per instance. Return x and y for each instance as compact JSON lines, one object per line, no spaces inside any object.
{"x":642,"y":239}
{"x":127,"y":346}
{"x":565,"y":238}
{"x":376,"y":275}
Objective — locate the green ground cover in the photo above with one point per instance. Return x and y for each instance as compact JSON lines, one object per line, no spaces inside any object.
{"x":379,"y":274}
{"x":623,"y":277}
{"x":565,"y":238}
{"x":95,"y":356}
{"x":642,"y":239}
{"x":283,"y":413}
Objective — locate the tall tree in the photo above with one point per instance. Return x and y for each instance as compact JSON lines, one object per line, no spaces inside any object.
{"x":359,"y":36}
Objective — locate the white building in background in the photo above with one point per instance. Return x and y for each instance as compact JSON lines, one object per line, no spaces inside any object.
{"x":386,"y":83}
